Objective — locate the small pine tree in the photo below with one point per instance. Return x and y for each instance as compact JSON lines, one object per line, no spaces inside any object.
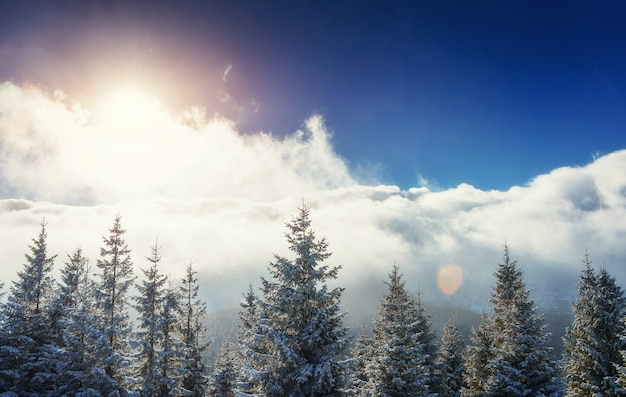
{"x":253,"y":351}
{"x":403,"y":343}
{"x":478,"y":356}
{"x":193,"y":312}
{"x":224,"y":379}
{"x":594,"y":341}
{"x":362,"y":355}
{"x":172,"y":354}
{"x":450,"y":360}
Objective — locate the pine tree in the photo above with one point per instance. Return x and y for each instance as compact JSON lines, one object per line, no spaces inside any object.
{"x":478,"y":355}
{"x":450,"y":360}
{"x":594,"y":340}
{"x":173,"y":348}
{"x":253,"y":349}
{"x":300,"y":320}
{"x":193,"y":313}
{"x":403,"y":342}
{"x":116,"y":278}
{"x":521,"y":363}
{"x":28,"y":353}
{"x":148,"y":305}
{"x":74,"y":316}
{"x":224,"y":378}
{"x":362,"y":356}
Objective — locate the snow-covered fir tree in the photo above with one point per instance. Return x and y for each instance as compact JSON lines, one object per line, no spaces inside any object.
{"x":29,"y":355}
{"x":149,"y":304}
{"x":403,"y":361}
{"x":521,"y":364}
{"x":450,"y":361}
{"x":362,"y":355}
{"x":116,"y":278}
{"x":300,"y":321}
{"x":194,"y":370}
{"x":76,"y":321}
{"x":225,"y":373}
{"x":173,"y":349}
{"x":478,"y":355}
{"x":594,"y":340}
{"x":253,"y":349}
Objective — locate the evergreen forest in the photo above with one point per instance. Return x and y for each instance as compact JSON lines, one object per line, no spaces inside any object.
{"x":121,"y":328}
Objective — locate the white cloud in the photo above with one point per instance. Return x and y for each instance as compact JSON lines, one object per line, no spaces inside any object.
{"x":220,"y":199}
{"x":51,"y":152}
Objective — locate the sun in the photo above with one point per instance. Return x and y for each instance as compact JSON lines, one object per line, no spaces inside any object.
{"x":128,"y":108}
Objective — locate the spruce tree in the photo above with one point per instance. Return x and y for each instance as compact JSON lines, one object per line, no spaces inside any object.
{"x":362,"y":356}
{"x":252,"y":351}
{"x":75,"y":302}
{"x":300,"y":320}
{"x":28,"y":352}
{"x":522,"y":364}
{"x":478,"y":355}
{"x":403,"y":343}
{"x":116,"y":278}
{"x":173,"y":348}
{"x":193,"y":312}
{"x":594,"y":340}
{"x":148,"y":305}
{"x":224,"y":378}
{"x":450,"y":362}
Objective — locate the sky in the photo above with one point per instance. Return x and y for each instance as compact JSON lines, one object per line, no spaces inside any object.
{"x":420,"y":133}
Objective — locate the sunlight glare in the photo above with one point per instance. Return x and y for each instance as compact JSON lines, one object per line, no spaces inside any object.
{"x":128,"y":108}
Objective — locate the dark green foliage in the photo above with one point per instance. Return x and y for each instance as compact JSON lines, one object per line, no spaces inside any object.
{"x":595,"y":339}
{"x":29,"y":354}
{"x":192,"y":329}
{"x":510,"y":355}
{"x":450,"y":362}
{"x":116,"y":278}
{"x":403,"y":348}
{"x":301,"y":337}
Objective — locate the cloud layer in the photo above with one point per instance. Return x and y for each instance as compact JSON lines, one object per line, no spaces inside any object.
{"x":220,"y":198}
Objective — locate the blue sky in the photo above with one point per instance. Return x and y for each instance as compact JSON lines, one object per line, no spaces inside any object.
{"x":206,"y":125}
{"x":488,"y":93}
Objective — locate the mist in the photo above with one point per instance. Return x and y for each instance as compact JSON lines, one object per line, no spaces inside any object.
{"x":219,"y":198}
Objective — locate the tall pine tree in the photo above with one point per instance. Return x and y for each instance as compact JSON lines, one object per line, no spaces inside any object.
{"x":594,"y":340}
{"x":149,"y":304}
{"x":28,"y":352}
{"x":521,"y":364}
{"x":116,"y":278}
{"x":300,"y":320}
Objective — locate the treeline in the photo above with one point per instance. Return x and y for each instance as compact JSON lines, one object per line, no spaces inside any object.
{"x":74,"y":337}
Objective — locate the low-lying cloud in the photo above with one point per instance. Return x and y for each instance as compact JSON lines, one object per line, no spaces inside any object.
{"x":220,"y":198}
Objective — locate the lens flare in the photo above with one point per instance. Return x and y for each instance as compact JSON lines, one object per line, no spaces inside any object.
{"x":450,"y":278}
